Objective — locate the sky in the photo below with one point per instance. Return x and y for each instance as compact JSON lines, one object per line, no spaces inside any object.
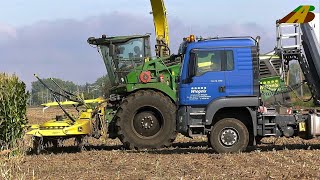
{"x":49,"y":37}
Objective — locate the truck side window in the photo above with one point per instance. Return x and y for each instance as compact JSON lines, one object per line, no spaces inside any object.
{"x":230,"y":60}
{"x":212,"y":60}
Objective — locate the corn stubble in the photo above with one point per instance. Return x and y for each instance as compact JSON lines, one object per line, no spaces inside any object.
{"x":13,"y":101}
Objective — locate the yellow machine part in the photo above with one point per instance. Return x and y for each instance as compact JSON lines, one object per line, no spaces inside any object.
{"x":302,"y":127}
{"x":62,"y":128}
{"x":161,"y":28}
{"x":89,"y":101}
{"x":86,"y":115}
{"x":160,"y":20}
{"x":82,"y":126}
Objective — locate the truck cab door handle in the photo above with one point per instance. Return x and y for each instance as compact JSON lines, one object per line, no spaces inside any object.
{"x":222,"y":89}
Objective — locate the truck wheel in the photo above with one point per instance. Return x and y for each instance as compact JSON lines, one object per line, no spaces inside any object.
{"x":146,"y":120}
{"x":229,"y":135}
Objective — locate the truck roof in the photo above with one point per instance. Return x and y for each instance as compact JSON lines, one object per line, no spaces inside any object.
{"x":223,"y":42}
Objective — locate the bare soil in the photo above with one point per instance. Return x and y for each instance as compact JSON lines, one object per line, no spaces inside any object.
{"x":281,"y":158}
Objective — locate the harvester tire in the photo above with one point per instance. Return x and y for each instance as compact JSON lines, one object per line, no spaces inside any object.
{"x":146,"y":119}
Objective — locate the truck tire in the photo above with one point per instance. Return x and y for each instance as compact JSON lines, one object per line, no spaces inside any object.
{"x":229,"y":135}
{"x":146,"y":120}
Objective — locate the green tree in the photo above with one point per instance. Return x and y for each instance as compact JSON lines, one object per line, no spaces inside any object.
{"x":100,"y":88}
{"x":104,"y":85}
{"x":295,"y":78}
{"x":40,"y":94}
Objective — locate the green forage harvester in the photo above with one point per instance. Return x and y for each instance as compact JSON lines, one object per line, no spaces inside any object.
{"x":13,"y":102}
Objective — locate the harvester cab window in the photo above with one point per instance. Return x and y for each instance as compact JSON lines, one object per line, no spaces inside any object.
{"x":131,"y":54}
{"x":133,"y":49}
{"x":138,"y":52}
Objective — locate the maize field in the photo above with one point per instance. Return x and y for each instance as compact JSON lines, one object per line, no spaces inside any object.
{"x":13,"y":102}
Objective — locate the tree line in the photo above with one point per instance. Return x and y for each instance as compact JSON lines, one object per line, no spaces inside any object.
{"x":39,"y":94}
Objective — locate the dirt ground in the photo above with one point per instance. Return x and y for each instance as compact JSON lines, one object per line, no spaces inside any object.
{"x":282,"y":158}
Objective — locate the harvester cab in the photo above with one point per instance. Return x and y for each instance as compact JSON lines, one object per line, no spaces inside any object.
{"x":122,"y":54}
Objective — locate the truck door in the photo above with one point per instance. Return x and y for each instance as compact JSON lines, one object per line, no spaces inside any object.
{"x":208,"y":82}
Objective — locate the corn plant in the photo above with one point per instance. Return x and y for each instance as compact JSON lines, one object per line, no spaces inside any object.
{"x":13,"y":99}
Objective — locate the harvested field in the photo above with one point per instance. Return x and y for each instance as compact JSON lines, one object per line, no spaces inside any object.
{"x":188,"y":159}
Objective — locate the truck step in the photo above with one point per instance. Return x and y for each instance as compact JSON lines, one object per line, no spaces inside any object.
{"x":270,"y":124}
{"x":271,"y":134}
{"x":196,"y":126}
{"x":197,"y":113}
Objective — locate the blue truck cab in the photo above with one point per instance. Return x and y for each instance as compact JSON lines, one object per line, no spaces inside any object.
{"x":219,"y":91}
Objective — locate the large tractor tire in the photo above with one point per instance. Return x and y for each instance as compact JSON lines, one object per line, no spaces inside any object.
{"x":146,"y":119}
{"x":229,"y":135}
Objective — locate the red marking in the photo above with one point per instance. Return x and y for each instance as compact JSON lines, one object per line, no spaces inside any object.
{"x":145,"y":77}
{"x":262,"y":109}
{"x":161,"y":78}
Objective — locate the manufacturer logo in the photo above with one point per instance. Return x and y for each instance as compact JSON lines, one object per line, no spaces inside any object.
{"x":302,"y":14}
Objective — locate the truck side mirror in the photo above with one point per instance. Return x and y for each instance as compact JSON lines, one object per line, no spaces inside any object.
{"x":112,"y":50}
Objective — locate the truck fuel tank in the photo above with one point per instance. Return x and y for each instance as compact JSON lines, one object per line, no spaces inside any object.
{"x":313,"y":125}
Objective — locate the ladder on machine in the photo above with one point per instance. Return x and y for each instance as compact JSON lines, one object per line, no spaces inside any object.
{"x":303,"y":47}
{"x":289,"y":45}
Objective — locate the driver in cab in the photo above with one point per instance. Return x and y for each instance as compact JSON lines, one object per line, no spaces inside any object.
{"x":208,"y":61}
